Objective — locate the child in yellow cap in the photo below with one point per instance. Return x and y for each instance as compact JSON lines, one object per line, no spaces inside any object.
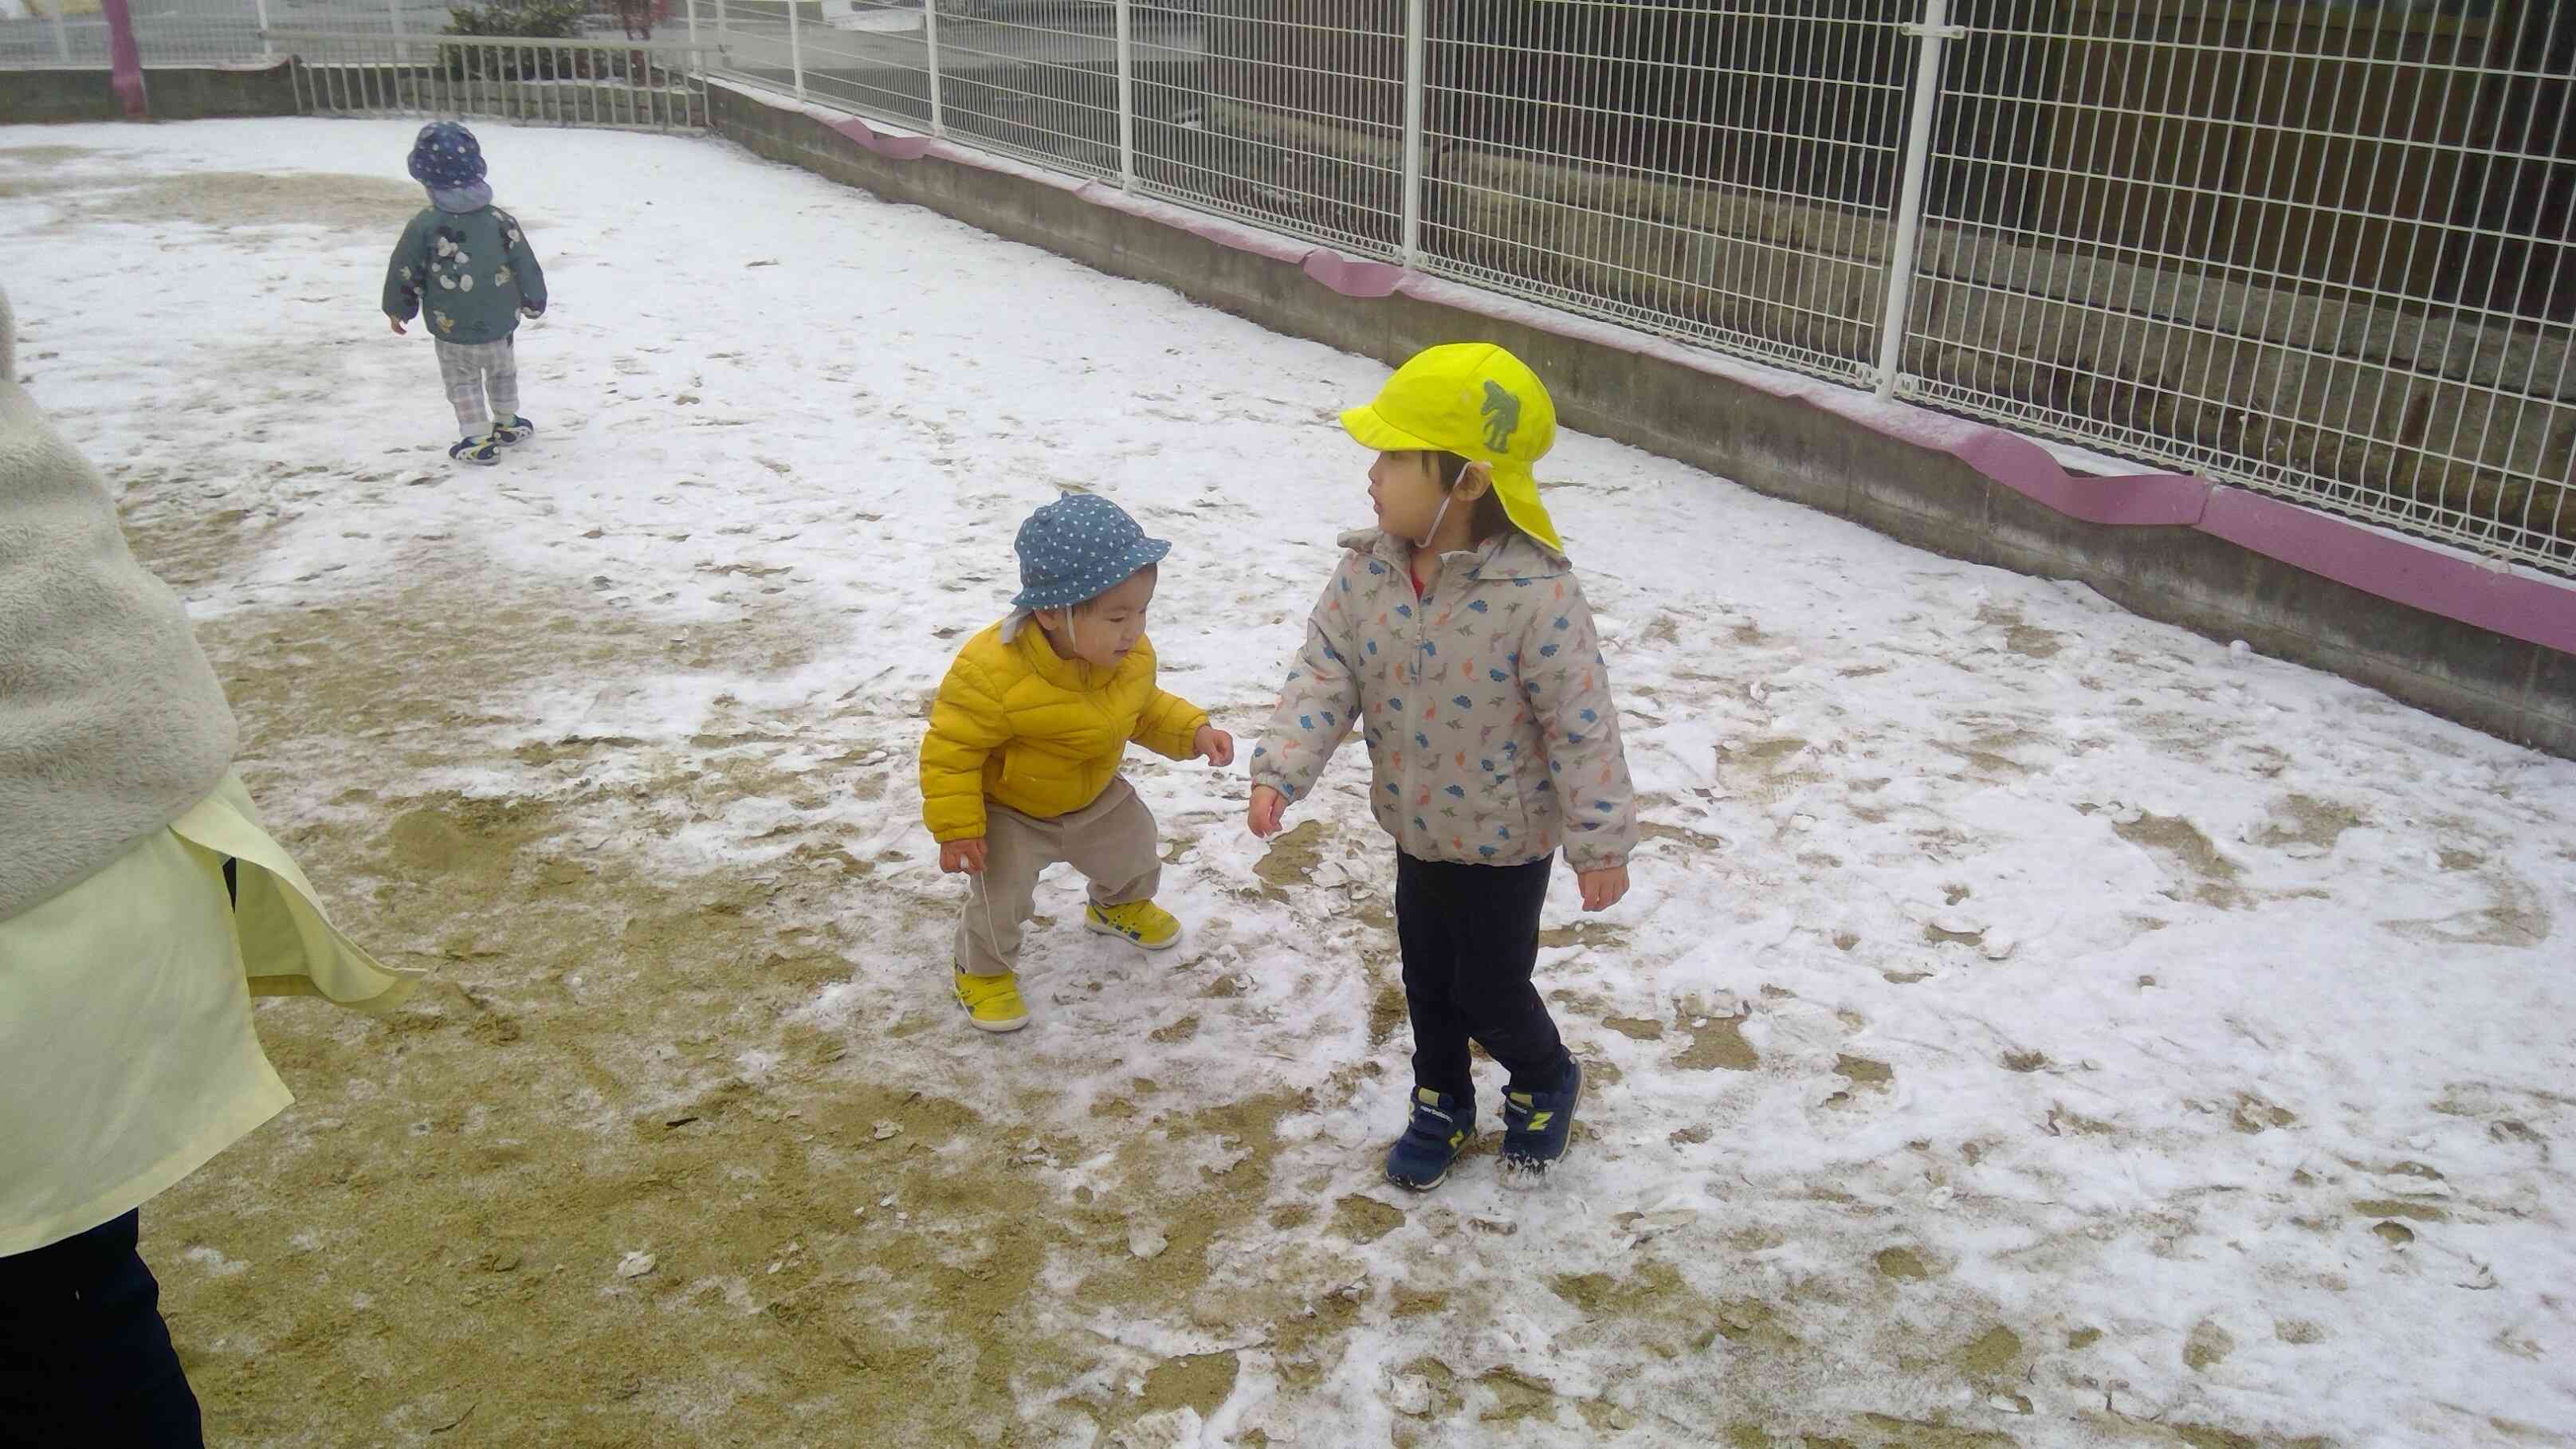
{"x":1454,"y":636}
{"x":1020,"y":768}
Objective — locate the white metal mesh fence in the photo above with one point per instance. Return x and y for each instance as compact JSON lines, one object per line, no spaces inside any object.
{"x":646,"y":85}
{"x":758,"y":40}
{"x":2316,"y":248}
{"x":1720,"y":170}
{"x":2320,"y":251}
{"x":168,"y":32}
{"x":865,"y":58}
{"x":1291,"y":116}
{"x":42,"y":33}
{"x":1037,"y":79}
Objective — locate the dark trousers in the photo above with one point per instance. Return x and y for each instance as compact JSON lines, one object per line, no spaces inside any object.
{"x":84,"y":1358}
{"x":1470,"y":940}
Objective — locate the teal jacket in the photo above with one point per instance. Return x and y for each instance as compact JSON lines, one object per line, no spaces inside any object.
{"x":472,"y":272}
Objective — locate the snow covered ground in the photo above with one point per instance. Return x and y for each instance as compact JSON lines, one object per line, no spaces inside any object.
{"x":2031,"y":1025}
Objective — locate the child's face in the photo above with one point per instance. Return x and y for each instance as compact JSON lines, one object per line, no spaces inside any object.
{"x":1104,"y":630}
{"x":1406,"y":489}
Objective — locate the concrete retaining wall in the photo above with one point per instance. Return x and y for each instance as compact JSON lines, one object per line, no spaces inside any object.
{"x":49,"y":97}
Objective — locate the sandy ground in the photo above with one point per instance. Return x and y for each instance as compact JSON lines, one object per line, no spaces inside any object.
{"x":684,"y":1144}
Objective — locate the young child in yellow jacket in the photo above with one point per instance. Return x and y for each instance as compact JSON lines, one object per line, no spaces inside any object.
{"x":1020,"y":768}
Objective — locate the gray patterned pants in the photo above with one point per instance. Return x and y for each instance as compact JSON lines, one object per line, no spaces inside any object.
{"x":471,"y":370}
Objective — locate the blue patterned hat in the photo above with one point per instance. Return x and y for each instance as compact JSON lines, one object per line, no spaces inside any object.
{"x":446,"y":156}
{"x":1077,"y":548}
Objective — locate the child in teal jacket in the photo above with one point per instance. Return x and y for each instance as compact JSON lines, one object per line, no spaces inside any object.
{"x":467,"y":264}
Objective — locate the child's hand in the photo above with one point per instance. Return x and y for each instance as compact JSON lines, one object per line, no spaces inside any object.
{"x":1602,"y":888}
{"x":1214,"y":746}
{"x":962,"y":857}
{"x":398,"y":327}
{"x":1267,"y":806}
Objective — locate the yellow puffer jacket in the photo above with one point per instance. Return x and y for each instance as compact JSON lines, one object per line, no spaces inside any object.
{"x":1019,"y":725}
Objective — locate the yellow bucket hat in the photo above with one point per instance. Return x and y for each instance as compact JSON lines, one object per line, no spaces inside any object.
{"x":1479,"y":402}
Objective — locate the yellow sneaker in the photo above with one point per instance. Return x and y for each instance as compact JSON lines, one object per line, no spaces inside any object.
{"x":992,"y":1002}
{"x":1142,"y":922}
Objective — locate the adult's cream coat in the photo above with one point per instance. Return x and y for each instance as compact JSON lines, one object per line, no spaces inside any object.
{"x":127,"y":958}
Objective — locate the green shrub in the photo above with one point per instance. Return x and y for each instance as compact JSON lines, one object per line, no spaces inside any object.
{"x":521,"y":20}
{"x":531,"y":19}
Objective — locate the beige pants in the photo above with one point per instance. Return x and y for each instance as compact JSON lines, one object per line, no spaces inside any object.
{"x":1111,"y":841}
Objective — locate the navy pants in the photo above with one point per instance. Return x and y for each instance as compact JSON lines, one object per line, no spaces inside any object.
{"x":1470,"y":939}
{"x":84,"y":1357}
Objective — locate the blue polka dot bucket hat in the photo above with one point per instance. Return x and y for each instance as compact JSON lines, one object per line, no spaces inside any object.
{"x":446,"y":156}
{"x":1077,"y":548}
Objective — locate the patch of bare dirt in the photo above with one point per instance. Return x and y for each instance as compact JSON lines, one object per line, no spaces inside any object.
{"x":2183,"y":846}
{"x":237,"y":201}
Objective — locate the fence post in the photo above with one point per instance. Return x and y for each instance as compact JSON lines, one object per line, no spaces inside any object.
{"x":267,"y":47}
{"x":693,"y":27}
{"x":930,"y":45}
{"x":402,"y":52}
{"x":1415,"y":42}
{"x":1929,"y":36}
{"x":1126,"y":95}
{"x":62,"y":35}
{"x":796,"y":47}
{"x":124,"y":60}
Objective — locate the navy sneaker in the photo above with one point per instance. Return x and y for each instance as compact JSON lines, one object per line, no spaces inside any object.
{"x":516,"y":430}
{"x":1539,"y":1126}
{"x":476,"y":450}
{"x":1419,"y":1160}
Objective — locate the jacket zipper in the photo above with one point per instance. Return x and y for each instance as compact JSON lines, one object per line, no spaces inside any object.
{"x":1414,"y":749}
